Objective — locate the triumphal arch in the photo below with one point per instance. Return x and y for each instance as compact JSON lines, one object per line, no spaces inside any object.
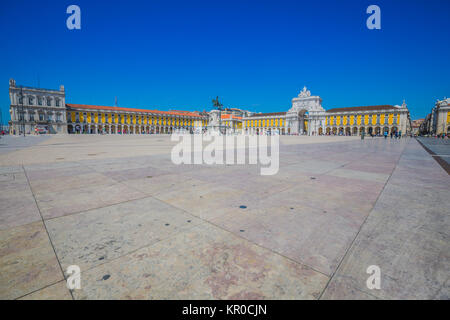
{"x":306,"y":115}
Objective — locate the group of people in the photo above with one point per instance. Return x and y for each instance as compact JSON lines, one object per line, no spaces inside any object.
{"x":396,"y":134}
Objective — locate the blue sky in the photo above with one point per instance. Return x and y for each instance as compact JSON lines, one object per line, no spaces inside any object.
{"x":256,"y":55}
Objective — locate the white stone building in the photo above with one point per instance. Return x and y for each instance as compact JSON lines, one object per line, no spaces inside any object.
{"x":36,"y":109}
{"x":440,"y":117}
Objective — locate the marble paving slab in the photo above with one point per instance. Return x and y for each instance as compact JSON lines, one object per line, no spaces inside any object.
{"x":27,"y":261}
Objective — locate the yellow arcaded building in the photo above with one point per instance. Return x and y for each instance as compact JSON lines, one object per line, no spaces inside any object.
{"x":308,"y":117}
{"x":115,"y":120}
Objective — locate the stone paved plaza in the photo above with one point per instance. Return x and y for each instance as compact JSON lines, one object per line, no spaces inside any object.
{"x":440,"y":147}
{"x":141,"y":227}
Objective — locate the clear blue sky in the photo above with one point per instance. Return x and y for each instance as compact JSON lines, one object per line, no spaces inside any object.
{"x":256,"y":55}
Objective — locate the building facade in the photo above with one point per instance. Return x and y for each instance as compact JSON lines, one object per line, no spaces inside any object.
{"x":115,"y":120}
{"x":415,"y":126}
{"x":308,"y":117}
{"x":232,"y":123}
{"x":440,"y":117}
{"x":36,"y":109}
{"x":261,"y":123}
{"x":372,"y":120}
{"x":438,"y":121}
{"x":44,"y":110}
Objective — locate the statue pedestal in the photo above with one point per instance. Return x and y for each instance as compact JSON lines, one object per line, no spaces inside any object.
{"x":214,"y":127}
{"x":214,"y":131}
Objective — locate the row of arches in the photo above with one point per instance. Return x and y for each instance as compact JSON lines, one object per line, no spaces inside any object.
{"x":269,"y":131}
{"x":121,"y":129}
{"x":348,"y":131}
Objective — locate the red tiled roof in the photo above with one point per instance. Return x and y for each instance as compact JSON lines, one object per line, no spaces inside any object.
{"x":117,"y":109}
{"x":363,"y":108}
{"x":183,"y":111}
{"x":268,"y":114}
{"x":228,"y":116}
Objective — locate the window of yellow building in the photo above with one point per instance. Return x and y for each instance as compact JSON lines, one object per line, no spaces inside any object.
{"x":390,"y":119}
